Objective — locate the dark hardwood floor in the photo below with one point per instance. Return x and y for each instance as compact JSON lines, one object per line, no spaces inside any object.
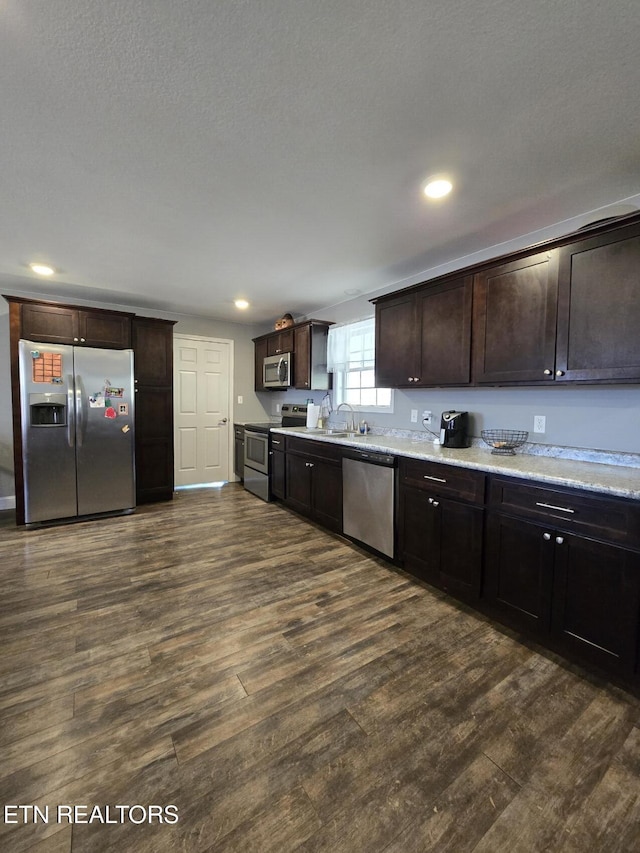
{"x":287,"y":692}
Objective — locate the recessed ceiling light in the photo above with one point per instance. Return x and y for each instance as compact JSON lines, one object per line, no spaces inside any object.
{"x":437,"y":187}
{"x":42,"y":269}
{"x":241,"y":304}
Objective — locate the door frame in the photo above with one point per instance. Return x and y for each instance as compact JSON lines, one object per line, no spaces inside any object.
{"x":182,"y":336}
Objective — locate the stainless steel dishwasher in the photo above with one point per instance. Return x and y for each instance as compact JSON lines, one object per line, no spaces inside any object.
{"x":368,"y":499}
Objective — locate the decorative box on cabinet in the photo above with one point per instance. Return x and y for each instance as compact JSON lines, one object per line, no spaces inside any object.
{"x":153,"y":359}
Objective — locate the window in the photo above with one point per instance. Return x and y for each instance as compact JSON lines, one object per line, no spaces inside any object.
{"x":351,"y":359}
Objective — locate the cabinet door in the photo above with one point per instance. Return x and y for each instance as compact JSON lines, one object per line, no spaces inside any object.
{"x":519,"y":572}
{"x":278,"y":474}
{"x":326,"y":495}
{"x":104,"y":329}
{"x":280,"y":342}
{"x":154,"y":444}
{"x":302,"y":358}
{"x":596,"y":601}
{"x":599,"y":308}
{"x":260,"y":350}
{"x":419,"y":535}
{"x":514,"y":320}
{"x":50,"y":324}
{"x":153,"y":352}
{"x":396,"y":342}
{"x":444,"y":317}
{"x":460,"y":549}
{"x":298,"y":482}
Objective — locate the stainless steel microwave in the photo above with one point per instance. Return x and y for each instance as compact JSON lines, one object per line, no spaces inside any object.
{"x":277,"y":371}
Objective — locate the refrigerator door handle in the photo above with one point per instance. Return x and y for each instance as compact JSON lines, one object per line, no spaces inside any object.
{"x":71,"y":418}
{"x":80,"y":413}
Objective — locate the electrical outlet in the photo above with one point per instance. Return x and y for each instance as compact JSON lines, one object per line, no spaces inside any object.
{"x":426,"y":417}
{"x":414,"y":416}
{"x":240,"y":399}
{"x":277,"y":408}
{"x":539,"y":423}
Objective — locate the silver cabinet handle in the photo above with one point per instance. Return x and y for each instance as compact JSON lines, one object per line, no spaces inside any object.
{"x":553,"y":506}
{"x":430,"y":500}
{"x":436,"y":479}
{"x":559,"y":540}
{"x":82,"y":340}
{"x":416,"y":379}
{"x":559,"y":372}
{"x":436,"y":503}
{"x":273,"y":441}
{"x":75,"y":339}
{"x":548,"y":372}
{"x":410,"y":378}
{"x":546,"y":536}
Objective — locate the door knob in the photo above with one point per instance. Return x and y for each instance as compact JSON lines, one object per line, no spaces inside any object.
{"x":223,"y":421}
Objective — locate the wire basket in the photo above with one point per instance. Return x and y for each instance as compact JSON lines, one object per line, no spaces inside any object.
{"x":504,"y":441}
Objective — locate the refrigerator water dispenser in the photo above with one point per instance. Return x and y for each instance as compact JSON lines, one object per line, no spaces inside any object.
{"x":47,"y":410}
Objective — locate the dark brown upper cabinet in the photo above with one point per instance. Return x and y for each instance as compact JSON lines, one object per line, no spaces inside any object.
{"x":565,"y":312}
{"x":599,"y":308}
{"x":514,"y":321}
{"x":280,"y":342}
{"x":308,"y":343}
{"x":59,"y":324}
{"x":423,"y":337}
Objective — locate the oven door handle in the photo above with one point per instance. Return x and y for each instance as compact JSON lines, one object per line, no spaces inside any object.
{"x":253,"y":434}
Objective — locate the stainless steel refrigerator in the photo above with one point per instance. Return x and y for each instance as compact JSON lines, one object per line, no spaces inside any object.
{"x":77,"y":412}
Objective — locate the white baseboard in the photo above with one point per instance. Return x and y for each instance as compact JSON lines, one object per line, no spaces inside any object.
{"x":8,"y":503}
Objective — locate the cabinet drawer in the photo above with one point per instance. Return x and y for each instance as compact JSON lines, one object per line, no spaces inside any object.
{"x":601,"y":516}
{"x":321,"y":449}
{"x":441,"y":479}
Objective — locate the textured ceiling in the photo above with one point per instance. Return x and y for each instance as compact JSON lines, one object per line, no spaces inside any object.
{"x":179,"y":153}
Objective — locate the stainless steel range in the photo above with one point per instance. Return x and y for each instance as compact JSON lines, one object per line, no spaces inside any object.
{"x":257,"y":445}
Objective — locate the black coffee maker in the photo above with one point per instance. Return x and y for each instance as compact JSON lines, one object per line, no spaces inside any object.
{"x":454,"y":427}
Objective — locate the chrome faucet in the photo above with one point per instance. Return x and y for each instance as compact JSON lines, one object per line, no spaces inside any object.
{"x":350,"y":427}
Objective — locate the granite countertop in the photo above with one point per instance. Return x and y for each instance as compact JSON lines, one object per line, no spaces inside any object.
{"x":620,"y":480}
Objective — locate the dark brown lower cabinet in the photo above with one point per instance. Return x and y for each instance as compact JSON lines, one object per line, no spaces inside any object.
{"x":596,"y":602}
{"x":578,"y":595}
{"x":277,"y":474}
{"x":441,"y":542}
{"x":518,"y":575}
{"x":441,"y":517}
{"x":314,"y":483}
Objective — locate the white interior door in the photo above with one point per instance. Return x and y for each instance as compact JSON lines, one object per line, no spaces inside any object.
{"x":202,"y":416}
